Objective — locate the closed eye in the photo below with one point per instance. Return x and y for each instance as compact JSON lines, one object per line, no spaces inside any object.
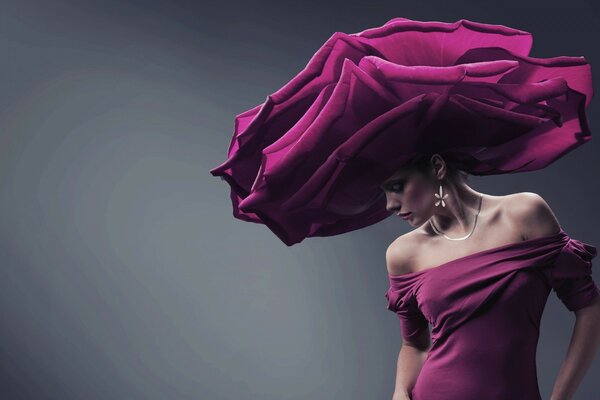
{"x":397,"y":187}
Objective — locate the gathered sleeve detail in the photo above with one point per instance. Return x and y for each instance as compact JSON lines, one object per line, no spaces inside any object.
{"x":403,"y":302}
{"x":570,"y":275}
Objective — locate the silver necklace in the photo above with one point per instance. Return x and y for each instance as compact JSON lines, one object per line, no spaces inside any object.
{"x":462,"y":238}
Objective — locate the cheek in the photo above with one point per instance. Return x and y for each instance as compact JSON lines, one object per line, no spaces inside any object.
{"x":419,"y":197}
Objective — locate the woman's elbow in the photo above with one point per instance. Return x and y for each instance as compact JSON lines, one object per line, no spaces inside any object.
{"x":591,"y":311}
{"x":421,"y":342}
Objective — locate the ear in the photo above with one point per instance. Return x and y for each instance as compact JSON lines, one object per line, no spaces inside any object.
{"x":439,"y":166}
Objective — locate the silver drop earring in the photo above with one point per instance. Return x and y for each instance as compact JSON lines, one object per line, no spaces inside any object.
{"x":441,"y":197}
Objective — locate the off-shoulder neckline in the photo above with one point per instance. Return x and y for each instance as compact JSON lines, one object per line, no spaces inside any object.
{"x":478,"y":253}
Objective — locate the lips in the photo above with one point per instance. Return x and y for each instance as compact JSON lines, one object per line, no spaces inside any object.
{"x":404,"y":215}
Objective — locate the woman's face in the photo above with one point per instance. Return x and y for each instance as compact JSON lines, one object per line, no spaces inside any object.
{"x":408,"y":191}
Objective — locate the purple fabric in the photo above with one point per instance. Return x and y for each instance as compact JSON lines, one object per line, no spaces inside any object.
{"x":308,"y":161}
{"x":485,"y":311}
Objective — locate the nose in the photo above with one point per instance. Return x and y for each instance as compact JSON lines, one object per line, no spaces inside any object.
{"x":392,"y":206}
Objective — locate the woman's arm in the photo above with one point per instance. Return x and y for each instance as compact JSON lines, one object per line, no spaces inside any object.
{"x":536,"y":218}
{"x":413,"y":352}
{"x":581,"y":352}
{"x":410,"y":361}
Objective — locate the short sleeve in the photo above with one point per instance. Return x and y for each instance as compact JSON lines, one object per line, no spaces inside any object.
{"x":570,"y":275}
{"x":412,"y":320}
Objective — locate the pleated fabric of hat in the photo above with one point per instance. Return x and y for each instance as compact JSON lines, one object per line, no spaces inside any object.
{"x":309,"y":160}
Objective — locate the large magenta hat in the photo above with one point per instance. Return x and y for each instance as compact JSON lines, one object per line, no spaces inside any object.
{"x":309,"y":160}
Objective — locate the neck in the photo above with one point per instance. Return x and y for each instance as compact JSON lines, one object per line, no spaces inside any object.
{"x":461,"y":208}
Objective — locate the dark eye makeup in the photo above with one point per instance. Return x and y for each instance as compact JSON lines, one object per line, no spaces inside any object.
{"x":395,"y":186}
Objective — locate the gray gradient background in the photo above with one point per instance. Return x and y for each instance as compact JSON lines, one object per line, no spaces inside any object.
{"x":124,"y":274}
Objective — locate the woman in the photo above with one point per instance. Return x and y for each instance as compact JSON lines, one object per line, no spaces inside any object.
{"x":412,"y":104}
{"x":486,"y":299}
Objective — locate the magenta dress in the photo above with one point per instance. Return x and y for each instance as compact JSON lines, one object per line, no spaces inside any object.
{"x":485,"y":311}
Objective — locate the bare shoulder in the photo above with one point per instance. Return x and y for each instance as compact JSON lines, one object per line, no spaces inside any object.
{"x":531,"y":214}
{"x":400,"y":254}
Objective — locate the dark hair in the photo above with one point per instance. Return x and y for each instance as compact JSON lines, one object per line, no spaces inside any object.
{"x":422,"y":164}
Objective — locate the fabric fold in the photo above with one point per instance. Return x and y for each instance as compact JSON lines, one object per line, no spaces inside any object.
{"x":309,"y":160}
{"x":564,"y":264}
{"x":488,"y":306}
{"x":571,"y":275}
